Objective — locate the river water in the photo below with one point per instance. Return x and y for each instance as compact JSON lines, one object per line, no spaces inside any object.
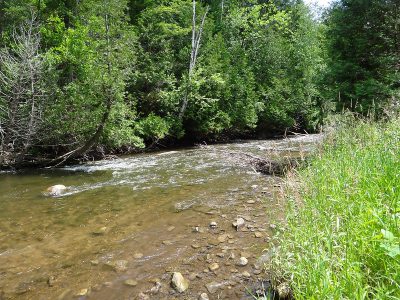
{"x":140,"y":218}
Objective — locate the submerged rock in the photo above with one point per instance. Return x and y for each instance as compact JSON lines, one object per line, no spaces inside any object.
{"x":82,"y":292}
{"x":179,"y":283}
{"x":239,"y":223}
{"x":56,"y":190}
{"x":213,"y":224}
{"x":138,"y":255}
{"x":204,"y":296}
{"x":131,"y":282}
{"x":213,"y":266}
{"x":118,"y":265}
{"x":242,"y":261}
{"x":213,"y":287}
{"x":100,"y":231}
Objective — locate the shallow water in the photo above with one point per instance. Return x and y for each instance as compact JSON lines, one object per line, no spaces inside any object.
{"x":139,"y":210}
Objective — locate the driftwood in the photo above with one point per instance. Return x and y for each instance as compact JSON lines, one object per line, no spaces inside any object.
{"x":268,"y":166}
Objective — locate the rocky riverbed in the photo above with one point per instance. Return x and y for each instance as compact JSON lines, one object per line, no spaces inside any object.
{"x":188,"y":224}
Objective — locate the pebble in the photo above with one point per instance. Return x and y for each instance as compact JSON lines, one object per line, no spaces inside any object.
{"x":221,"y":255}
{"x":138,"y":255}
{"x":251,"y":202}
{"x":179,"y":283}
{"x":130,"y":282}
{"x":204,"y":296}
{"x":213,"y":287}
{"x":82,"y":292}
{"x":258,"y":235}
{"x":94,"y":262}
{"x":100,"y":231}
{"x":222,"y":238}
{"x":143,"y":296}
{"x":170,"y":228}
{"x":118,"y":266}
{"x":243,"y":261}
{"x":167,"y":243}
{"x":192,"y":276}
{"x":155,"y":289}
{"x":213,"y":224}
{"x":272,"y":226}
{"x":213,"y":267}
{"x":50,"y":282}
{"x":239,"y":223}
{"x":195,"y":246}
{"x":246,"y":274}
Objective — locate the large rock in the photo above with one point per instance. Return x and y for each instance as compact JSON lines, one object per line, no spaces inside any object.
{"x":179,"y":283}
{"x":56,"y":190}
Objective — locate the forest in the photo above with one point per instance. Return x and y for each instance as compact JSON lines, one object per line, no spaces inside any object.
{"x":116,"y":76}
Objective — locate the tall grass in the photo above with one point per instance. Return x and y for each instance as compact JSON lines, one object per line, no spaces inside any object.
{"x":343,"y":230}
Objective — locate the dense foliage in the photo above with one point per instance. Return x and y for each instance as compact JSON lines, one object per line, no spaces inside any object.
{"x":117,"y":72}
{"x":364,"y":45}
{"x":127,"y":74}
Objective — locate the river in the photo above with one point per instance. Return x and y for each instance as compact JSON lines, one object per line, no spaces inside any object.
{"x":124,"y":225}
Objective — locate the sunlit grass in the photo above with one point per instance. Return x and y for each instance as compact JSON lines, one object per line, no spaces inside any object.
{"x":343,"y":232}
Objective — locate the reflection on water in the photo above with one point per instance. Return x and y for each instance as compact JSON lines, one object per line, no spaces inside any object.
{"x":112,"y":209}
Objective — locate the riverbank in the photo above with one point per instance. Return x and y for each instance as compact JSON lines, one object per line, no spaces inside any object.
{"x":343,"y":230}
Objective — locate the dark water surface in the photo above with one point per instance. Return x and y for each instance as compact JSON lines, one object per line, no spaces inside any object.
{"x":134,"y":218}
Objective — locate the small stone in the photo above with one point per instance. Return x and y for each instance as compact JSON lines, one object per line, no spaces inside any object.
{"x":170,"y":228}
{"x":130,"y":282}
{"x":239,"y":223}
{"x":155,"y":289}
{"x":213,"y":287}
{"x":118,"y":266}
{"x":204,"y":296}
{"x":82,"y":292}
{"x":138,"y":255}
{"x":100,"y":231}
{"x":94,"y":262}
{"x":272,"y":226}
{"x":213,"y":224}
{"x":167,"y":243}
{"x":257,"y":272}
{"x":213,"y":267}
{"x":251,"y":202}
{"x":142,"y":296}
{"x":50,"y":281}
{"x":196,"y":246}
{"x":258,"y":235}
{"x":246,"y":274}
{"x":179,"y":283}
{"x":284,"y":290}
{"x":222,"y":238}
{"x":192,"y":276}
{"x":243,"y":261}
{"x":220,"y":255}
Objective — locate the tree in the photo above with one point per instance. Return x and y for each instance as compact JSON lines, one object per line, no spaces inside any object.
{"x":24,"y":91}
{"x":364,"y":48}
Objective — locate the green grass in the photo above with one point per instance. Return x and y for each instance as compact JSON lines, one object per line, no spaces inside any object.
{"x":343,"y":229}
